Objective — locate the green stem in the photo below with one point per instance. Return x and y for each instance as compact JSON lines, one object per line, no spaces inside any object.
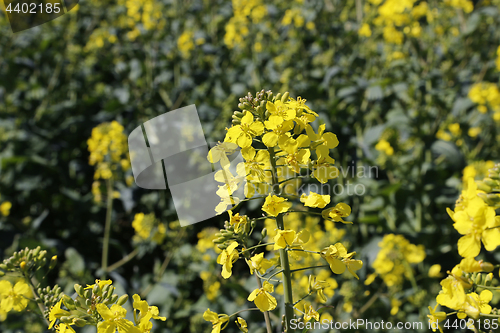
{"x":285,"y":264}
{"x":123,"y":261}
{"x":305,"y":268}
{"x":303,"y":298}
{"x":256,"y":246}
{"x":266,"y":313}
{"x":487,"y":287}
{"x":35,"y":293}
{"x":107,"y":226}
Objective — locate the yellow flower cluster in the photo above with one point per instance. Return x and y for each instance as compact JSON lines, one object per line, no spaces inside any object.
{"x":393,"y":261}
{"x":147,"y":227}
{"x":487,"y":96}
{"x":108,"y":153}
{"x":278,"y":142}
{"x":246,"y":12}
{"x":466,"y":288}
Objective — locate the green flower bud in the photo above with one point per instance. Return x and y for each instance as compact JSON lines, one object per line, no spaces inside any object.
{"x":88,"y":302}
{"x":122,"y":300}
{"x":114,"y":298}
{"x":87,"y":294}
{"x":486,"y":266}
{"x":488,"y":279}
{"x":285,"y":97}
{"x":236,"y":121}
{"x":264,"y":232}
{"x":2,"y":273}
{"x":277,"y":97}
{"x":3,"y":266}
{"x":41,"y":255}
{"x":53,"y":262}
{"x":478,"y":279}
{"x":36,"y":251}
{"x":219,"y":240}
{"x":79,"y":322}
{"x":79,"y":290}
{"x":69,"y":302}
{"x":96,"y":290}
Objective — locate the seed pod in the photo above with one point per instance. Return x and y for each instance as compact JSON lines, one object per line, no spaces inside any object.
{"x":285,"y":97}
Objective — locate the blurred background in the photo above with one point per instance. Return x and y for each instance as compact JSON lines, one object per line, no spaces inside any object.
{"x":409,"y":87}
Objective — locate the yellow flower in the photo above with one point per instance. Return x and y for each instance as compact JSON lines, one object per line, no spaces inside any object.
{"x":323,"y":170}
{"x":452,"y":294}
{"x":283,"y":239}
{"x":294,"y":152}
{"x":365,"y":30}
{"x":56,"y":312}
{"x":436,"y":317}
{"x":338,"y":259}
{"x":242,"y":324}
{"x":262,"y":297}
{"x":226,"y":258}
{"x":275,"y":205}
{"x":315,"y":200}
{"x":65,"y":328}
{"x":319,"y":286}
{"x":237,"y":221}
{"x":244,"y":133}
{"x":475,"y":305}
{"x":14,"y":297}
{"x":384,"y":146}
{"x":310,"y":313}
{"x":5,"y":208}
{"x":114,"y":319}
{"x":254,"y":164}
{"x":435,"y":271}
{"x":101,"y":284}
{"x":220,"y":152}
{"x":477,"y":223}
{"x":338,"y":212}
{"x":259,"y":263}
{"x":146,"y":313}
{"x":217,"y":320}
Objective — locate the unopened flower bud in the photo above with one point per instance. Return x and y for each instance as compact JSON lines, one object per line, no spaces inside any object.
{"x":264,"y":232}
{"x":53,"y":262}
{"x":79,"y":290}
{"x":486,"y":266}
{"x":285,"y":97}
{"x":69,"y":302}
{"x":114,"y":298}
{"x":79,"y":322}
{"x":122,"y":300}
{"x":96,"y":290}
{"x":22,"y":265}
{"x":488,"y":279}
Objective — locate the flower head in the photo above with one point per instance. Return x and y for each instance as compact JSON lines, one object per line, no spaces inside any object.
{"x":275,"y":205}
{"x":262,"y":297}
{"x":227,"y":258}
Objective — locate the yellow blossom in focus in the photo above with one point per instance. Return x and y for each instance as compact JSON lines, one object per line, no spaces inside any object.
{"x":114,"y":318}
{"x":56,"y":312}
{"x":315,"y":200}
{"x":275,"y":205}
{"x":226,"y":258}
{"x":242,"y":325}
{"x":219,"y":321}
{"x":14,"y":297}
{"x":338,"y":212}
{"x":262,"y":297}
